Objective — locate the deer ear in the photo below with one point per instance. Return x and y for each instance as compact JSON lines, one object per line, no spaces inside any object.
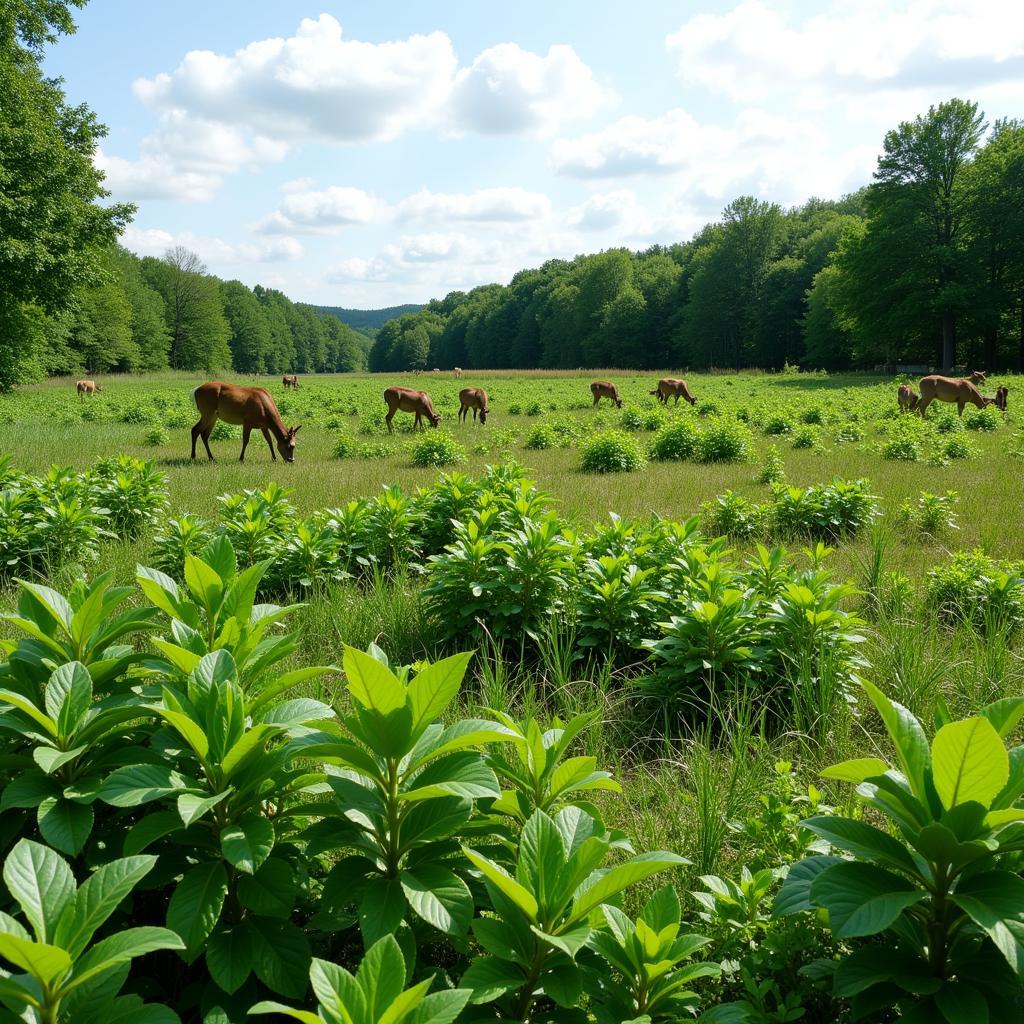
{"x":295,"y":430}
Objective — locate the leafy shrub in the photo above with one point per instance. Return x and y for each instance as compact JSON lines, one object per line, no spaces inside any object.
{"x":948,"y":423}
{"x":157,"y":437}
{"x":612,"y":451}
{"x":132,"y":492}
{"x":932,"y":514}
{"x":617,"y":603}
{"x":707,"y":409}
{"x":344,"y":447}
{"x":901,"y":449}
{"x":724,"y":441}
{"x":849,"y":432}
{"x":826,"y":511}
{"x":515,"y":409}
{"x":437,"y":449}
{"x":632,"y":419}
{"x":773,"y":469}
{"x":813,"y":416}
{"x":225,"y":432}
{"x":186,"y":535}
{"x":778,"y":423}
{"x":541,"y":436}
{"x":980,"y":591}
{"x":987,"y":420}
{"x":534,"y":409}
{"x":675,"y":442}
{"x":806,"y":437}
{"x":138,"y":414}
{"x":732,"y":515}
{"x":912,"y":888}
{"x":957,"y":447}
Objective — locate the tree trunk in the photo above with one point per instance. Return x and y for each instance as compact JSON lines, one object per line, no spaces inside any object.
{"x":948,"y":339}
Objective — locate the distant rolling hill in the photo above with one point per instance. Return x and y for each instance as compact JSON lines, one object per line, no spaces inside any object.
{"x":369,"y":321}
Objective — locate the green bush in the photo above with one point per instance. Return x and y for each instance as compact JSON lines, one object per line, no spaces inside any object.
{"x":632,"y":419}
{"x":806,"y":437}
{"x":987,"y":420}
{"x":225,"y":432}
{"x":773,"y":469}
{"x":676,"y":442}
{"x":437,"y":449}
{"x":724,"y":441}
{"x":612,"y":451}
{"x":901,"y":449}
{"x":541,"y":437}
{"x":977,"y":590}
{"x":157,"y":437}
{"x":345,"y":447}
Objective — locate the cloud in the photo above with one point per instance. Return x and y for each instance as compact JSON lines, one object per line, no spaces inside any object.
{"x":421,"y":257}
{"x":508,"y":89}
{"x":605,"y":211}
{"x":327,"y":210}
{"x":156,"y":241}
{"x":756,"y":50}
{"x":483,"y":205}
{"x":296,"y":185}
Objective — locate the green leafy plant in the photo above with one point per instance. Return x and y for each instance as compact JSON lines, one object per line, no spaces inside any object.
{"x":773,"y":469}
{"x":543,"y":907}
{"x":612,"y":451}
{"x":675,"y":442}
{"x":940,"y":891}
{"x":438,"y":449}
{"x":375,"y":994}
{"x":63,"y":977}
{"x":932,"y":514}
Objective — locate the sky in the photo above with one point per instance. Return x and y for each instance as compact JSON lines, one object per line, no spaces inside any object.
{"x":374,"y":153}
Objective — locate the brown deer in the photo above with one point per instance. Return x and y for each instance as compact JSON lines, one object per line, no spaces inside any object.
{"x":907,"y":398}
{"x":457,"y":372}
{"x":251,"y":408}
{"x":1000,"y":399}
{"x":290,"y":380}
{"x":408,"y":400}
{"x":961,"y":390}
{"x":605,"y":389}
{"x":473,"y":398}
{"x":669,"y":386}
{"x":87,"y":387}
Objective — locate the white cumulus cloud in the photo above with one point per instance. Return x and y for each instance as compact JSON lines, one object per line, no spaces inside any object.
{"x":215,"y":251}
{"x":485,"y":204}
{"x":327,"y":210}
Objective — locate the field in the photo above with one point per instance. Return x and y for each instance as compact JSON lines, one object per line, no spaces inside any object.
{"x":718,"y":677}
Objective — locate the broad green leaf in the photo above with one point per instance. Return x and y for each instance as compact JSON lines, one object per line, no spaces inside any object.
{"x":68,"y":696}
{"x":794,"y":895}
{"x":229,"y":956}
{"x":42,"y":883}
{"x":862,"y":840}
{"x":994,"y":900}
{"x":250,"y":745}
{"x":151,"y":828}
{"x":65,"y":824}
{"x":196,"y":904}
{"x":876,"y":964}
{"x":189,"y":731}
{"x":857,"y":770}
{"x":120,"y":948}
{"x":504,"y":883}
{"x":439,"y":896}
{"x":373,"y":685}
{"x":139,"y":784}
{"x":159,"y":590}
{"x":269,"y":1006}
{"x":405,"y":1003}
{"x":55,"y":603}
{"x":50,"y":758}
{"x":382,"y":909}
{"x":181,"y":658}
{"x":272,"y":891}
{"x":969,"y":762}
{"x":284,"y":682}
{"x":1004,"y":714}
{"x":441,"y":1007}
{"x":206,"y":586}
{"x":465,"y":774}
{"x":44,"y":961}
{"x":97,"y":898}
{"x":247,"y":843}
{"x":621,"y":877}
{"x":338,"y":991}
{"x":281,"y":956}
{"x":862,"y":899}
{"x":381,"y":975}
{"x":192,"y":806}
{"x":24,"y":705}
{"x":435,"y":688}
{"x":962,"y":1003}
{"x":489,"y":978}
{"x":541,"y":865}
{"x":907,"y":737}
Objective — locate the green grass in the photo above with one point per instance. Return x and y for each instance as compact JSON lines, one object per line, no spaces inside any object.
{"x":677,"y":794}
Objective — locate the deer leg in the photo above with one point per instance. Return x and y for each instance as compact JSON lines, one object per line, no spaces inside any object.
{"x":270,"y":443}
{"x":205,"y":435}
{"x":387,"y":419}
{"x":195,"y":434}
{"x":959,"y":408}
{"x":246,"y":431}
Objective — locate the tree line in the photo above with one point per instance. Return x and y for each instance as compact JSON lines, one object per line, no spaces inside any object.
{"x":923,"y":266}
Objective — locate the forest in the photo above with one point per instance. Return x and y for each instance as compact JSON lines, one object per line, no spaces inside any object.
{"x":924,"y":265}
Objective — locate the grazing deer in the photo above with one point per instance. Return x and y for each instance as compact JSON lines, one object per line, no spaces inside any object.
{"x":907,"y":398}
{"x":290,"y":380}
{"x":457,"y":372}
{"x":408,"y":400}
{"x":1000,"y":400}
{"x":669,"y":386}
{"x":87,"y":387}
{"x":250,"y":408}
{"x":605,"y":389}
{"x":961,"y":390}
{"x":475,"y":399}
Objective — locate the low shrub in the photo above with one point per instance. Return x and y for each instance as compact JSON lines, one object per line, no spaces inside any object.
{"x":773,"y":469}
{"x":806,"y":437}
{"x":901,"y":449}
{"x":826,"y":511}
{"x":932,"y":514}
{"x":986,"y":420}
{"x":724,"y":441}
{"x":437,"y":449}
{"x":612,"y":451}
{"x":675,"y":442}
{"x":345,"y":447}
{"x":156,"y":437}
{"x":225,"y":432}
{"x":732,"y":515}
{"x":541,"y":437}
{"x":977,"y":590}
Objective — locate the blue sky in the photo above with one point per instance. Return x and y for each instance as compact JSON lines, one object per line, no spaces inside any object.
{"x":366,"y":154}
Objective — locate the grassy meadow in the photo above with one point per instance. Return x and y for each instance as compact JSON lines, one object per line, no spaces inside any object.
{"x":724,"y":780}
{"x":680,"y":791}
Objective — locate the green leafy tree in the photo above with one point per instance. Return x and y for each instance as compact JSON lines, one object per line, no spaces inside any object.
{"x":250,"y":332}
{"x":53,"y":232}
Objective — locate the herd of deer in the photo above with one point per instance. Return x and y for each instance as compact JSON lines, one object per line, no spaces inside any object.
{"x":961,"y":390}
{"x":252,"y":408}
